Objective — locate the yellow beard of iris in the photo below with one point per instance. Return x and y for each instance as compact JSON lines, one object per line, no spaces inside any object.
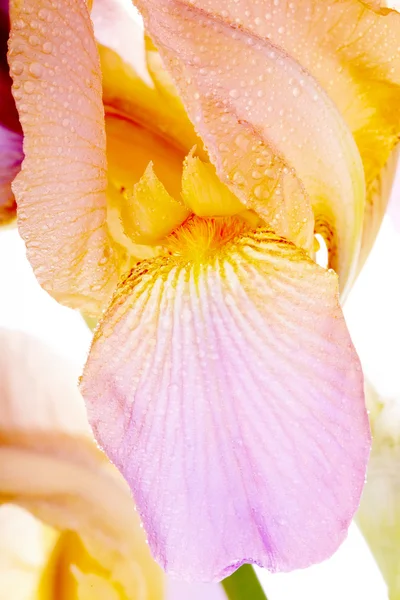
{"x":147,"y":221}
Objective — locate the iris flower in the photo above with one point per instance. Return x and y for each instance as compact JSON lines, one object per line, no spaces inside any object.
{"x":87,"y":542}
{"x":222,"y":380}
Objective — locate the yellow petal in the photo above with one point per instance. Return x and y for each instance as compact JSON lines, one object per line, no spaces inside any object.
{"x":130,"y":148}
{"x":71,"y":573}
{"x":128,"y":88}
{"x":379,"y":512}
{"x":25,"y":547}
{"x":382,"y":6}
{"x":148,"y":213}
{"x":204,"y":193}
{"x":117,"y":27}
{"x":378,"y":195}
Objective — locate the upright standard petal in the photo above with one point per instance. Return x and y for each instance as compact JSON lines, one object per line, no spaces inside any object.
{"x":128,"y":87}
{"x":379,"y":193}
{"x":351,"y":51}
{"x":61,"y":189}
{"x":224,"y":385}
{"x":270,"y":129}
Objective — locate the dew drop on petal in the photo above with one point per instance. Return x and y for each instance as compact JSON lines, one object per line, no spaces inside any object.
{"x":35,"y":69}
{"x":29,"y":87}
{"x":17,"y":68}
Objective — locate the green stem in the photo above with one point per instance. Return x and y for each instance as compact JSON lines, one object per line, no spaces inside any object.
{"x":243,"y":584}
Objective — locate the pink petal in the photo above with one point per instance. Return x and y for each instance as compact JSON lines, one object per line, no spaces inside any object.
{"x":11,"y":156}
{"x":274,"y":135}
{"x":230,"y":396}
{"x":180,"y":590}
{"x":61,"y":189}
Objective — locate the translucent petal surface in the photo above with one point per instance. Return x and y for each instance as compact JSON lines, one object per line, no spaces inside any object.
{"x":379,"y":193}
{"x":223,"y":384}
{"x":379,"y":512}
{"x":128,"y":87}
{"x":61,"y":189}
{"x":204,"y":193}
{"x":43,"y":430}
{"x":25,"y":544}
{"x":269,"y":127}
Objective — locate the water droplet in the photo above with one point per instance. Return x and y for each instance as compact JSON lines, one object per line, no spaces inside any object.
{"x":296,"y":92}
{"x":17,"y":68}
{"x":242,"y":141}
{"x":43,"y":13}
{"x":258,"y":190}
{"x":238,"y":177}
{"x":29,"y":87}
{"x":35,"y":69}
{"x":19,"y":24}
{"x":34,"y":40}
{"x":234,"y":93}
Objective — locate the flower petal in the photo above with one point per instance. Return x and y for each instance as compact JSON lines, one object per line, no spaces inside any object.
{"x":74,"y":488}
{"x":116,"y":25}
{"x":382,"y":6}
{"x":378,"y":197}
{"x":379,"y":512}
{"x":25,"y":545}
{"x":250,"y":102}
{"x":61,"y":189}
{"x":204,"y":193}
{"x":11,"y":156}
{"x":128,"y":88}
{"x":150,"y":213}
{"x":130,"y":148}
{"x":224,"y":385}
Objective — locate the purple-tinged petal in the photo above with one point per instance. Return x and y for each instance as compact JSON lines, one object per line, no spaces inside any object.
{"x":223,"y":384}
{"x":11,"y":156}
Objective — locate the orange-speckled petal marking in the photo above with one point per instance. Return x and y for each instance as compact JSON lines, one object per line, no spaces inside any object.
{"x":224,"y":385}
{"x":61,"y":189}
